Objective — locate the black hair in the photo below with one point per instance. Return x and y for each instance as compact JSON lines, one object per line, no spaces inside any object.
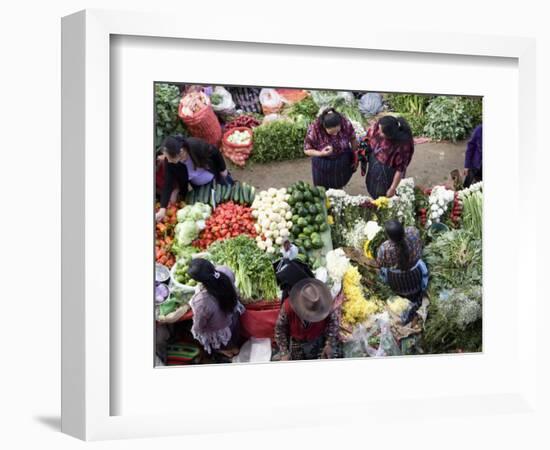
{"x":396,"y":128}
{"x":199,"y":151}
{"x":216,"y":283}
{"x":172,"y":145}
{"x":395,"y":231}
{"x":330,"y":118}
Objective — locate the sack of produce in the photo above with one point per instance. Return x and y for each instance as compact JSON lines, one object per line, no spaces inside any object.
{"x":371,"y":104}
{"x":270,"y":100}
{"x":222,"y":102}
{"x":237,"y":145}
{"x":254,"y":350}
{"x":291,"y":96}
{"x":195,"y":109}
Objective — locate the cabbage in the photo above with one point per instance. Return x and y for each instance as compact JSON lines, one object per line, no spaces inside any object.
{"x":186,"y":232}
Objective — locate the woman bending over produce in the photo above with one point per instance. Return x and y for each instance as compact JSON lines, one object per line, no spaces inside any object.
{"x":389,"y":148}
{"x":307,"y":326}
{"x":331,"y":143}
{"x":400,"y":263}
{"x":216,"y":308}
{"x":189,"y":160}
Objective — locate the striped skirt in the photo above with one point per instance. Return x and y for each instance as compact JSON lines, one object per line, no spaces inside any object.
{"x":332,"y":172}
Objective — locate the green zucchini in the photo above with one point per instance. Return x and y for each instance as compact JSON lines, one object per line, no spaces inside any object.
{"x":218,"y":194}
{"x":252,"y":194}
{"x":188,"y":197}
{"x":236,"y":192}
{"x":242,"y":193}
{"x":246,"y":193}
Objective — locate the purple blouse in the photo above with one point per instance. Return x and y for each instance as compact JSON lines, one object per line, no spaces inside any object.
{"x":212,"y":326}
{"x":198,"y":177}
{"x":474,"y":150}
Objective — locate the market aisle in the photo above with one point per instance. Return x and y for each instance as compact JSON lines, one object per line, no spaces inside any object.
{"x":431,"y":165}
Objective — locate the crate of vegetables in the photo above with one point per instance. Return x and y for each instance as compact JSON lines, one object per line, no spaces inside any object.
{"x":237,"y":144}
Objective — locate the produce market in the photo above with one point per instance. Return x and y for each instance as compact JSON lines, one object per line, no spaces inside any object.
{"x":252,"y":266}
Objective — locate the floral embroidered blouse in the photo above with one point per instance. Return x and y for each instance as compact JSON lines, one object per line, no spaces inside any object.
{"x":317,"y":138}
{"x":397,"y":155}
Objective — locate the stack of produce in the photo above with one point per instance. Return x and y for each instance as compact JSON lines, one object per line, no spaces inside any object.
{"x":214,"y":194}
{"x":228,"y":220}
{"x":274,"y":216}
{"x":242,"y":121}
{"x":237,"y":145}
{"x":179,"y":274}
{"x":164,"y":237}
{"x":472,"y":203}
{"x":280,"y":140}
{"x":308,"y":215}
{"x":167,"y":98}
{"x":254,"y":274}
{"x":191,"y":220}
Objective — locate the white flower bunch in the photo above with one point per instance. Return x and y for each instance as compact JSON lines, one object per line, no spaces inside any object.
{"x":464,"y":307}
{"x":372,"y":229}
{"x":402,"y":203}
{"x":439,"y":200}
{"x":337,"y":264}
{"x":470,"y":190}
{"x":357,"y":235}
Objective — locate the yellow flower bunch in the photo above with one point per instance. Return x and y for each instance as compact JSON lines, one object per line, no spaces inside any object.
{"x":327,"y":203}
{"x":356,"y":307}
{"x":366,"y":249}
{"x":381,"y":202}
{"x":330,"y":220}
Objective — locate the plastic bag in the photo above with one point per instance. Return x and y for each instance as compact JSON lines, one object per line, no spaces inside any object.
{"x":370,"y":104}
{"x":271,"y":118}
{"x":270,"y":100}
{"x":347,"y":96}
{"x":401,"y":307}
{"x":374,"y":339}
{"x":254,"y":350}
{"x":226,"y":105}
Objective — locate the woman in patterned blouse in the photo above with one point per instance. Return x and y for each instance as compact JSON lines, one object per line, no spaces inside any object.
{"x":400,"y":262}
{"x":389,"y":146}
{"x":331,"y":143}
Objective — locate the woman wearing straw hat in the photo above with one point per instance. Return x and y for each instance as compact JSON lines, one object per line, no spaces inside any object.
{"x":307,"y":327}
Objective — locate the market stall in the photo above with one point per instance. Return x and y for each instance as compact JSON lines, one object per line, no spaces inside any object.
{"x":337,"y":235}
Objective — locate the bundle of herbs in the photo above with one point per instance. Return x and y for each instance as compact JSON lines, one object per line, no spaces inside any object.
{"x":254,"y":273}
{"x":454,"y":321}
{"x":454,"y":259}
{"x":167,"y":98}
{"x":280,"y":140}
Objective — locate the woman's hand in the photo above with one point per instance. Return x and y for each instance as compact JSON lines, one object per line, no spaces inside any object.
{"x":466,"y":172}
{"x":285,"y":358}
{"x":391,"y":192}
{"x":327,"y":151}
{"x":161,"y":213}
{"x":327,"y":352}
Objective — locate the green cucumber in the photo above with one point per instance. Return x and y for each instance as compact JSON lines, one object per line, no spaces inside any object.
{"x":236,"y":192}
{"x":188,"y":197}
{"x":246,"y":194}
{"x":227,"y":193}
{"x":252,"y":194}
{"x":219,"y":194}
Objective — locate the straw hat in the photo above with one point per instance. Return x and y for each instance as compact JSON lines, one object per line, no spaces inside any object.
{"x":311,"y":300}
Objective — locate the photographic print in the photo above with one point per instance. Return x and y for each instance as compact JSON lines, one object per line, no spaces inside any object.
{"x":304,"y":224}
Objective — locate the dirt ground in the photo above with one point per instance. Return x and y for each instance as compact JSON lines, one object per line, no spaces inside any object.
{"x":431,"y":164}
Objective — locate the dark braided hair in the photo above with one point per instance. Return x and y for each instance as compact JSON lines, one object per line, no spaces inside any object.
{"x":216,"y":283}
{"x":395,"y":231}
{"x":396,"y":128}
{"x":330,"y":118}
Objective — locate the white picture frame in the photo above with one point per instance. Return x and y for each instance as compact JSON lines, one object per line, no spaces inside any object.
{"x":87,"y":248}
